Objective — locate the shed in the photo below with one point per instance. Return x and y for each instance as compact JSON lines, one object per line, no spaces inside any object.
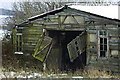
{"x":68,"y":38}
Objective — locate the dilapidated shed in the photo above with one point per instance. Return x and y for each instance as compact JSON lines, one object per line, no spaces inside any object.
{"x":67,"y":38}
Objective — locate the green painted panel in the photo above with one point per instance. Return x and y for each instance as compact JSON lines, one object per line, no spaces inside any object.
{"x":42,"y":48}
{"x":17,"y":41}
{"x":14,"y":39}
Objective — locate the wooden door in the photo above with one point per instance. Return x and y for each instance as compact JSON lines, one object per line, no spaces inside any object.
{"x":42,"y":48}
{"x":77,"y":46}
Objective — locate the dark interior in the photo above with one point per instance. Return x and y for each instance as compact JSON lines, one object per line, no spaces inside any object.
{"x":63,"y":38}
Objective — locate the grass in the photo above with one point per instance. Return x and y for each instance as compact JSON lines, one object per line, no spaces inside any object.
{"x":12,"y":63}
{"x":92,"y":73}
{"x":95,"y":73}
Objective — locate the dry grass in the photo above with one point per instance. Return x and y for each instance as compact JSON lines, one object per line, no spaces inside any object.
{"x":95,"y":73}
{"x":12,"y":63}
{"x":92,"y":73}
{"x":9,"y":61}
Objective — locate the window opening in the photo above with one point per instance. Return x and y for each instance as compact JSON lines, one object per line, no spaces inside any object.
{"x":76,"y":42}
{"x":76,"y":48}
{"x":18,"y":42}
{"x":103,"y":43}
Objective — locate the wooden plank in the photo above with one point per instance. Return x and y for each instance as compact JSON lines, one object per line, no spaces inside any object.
{"x":92,"y":31}
{"x":32,"y":33}
{"x":92,"y":44}
{"x":112,"y":30}
{"x":92,"y":62}
{"x":115,"y":41}
{"x":51,"y":23}
{"x":93,"y":57}
{"x":104,"y":66}
{"x":51,"y":26}
{"x":71,"y":50}
{"x":51,"y":17}
{"x":26,"y":51}
{"x":113,"y":26}
{"x":28,"y":44}
{"x":31,"y":36}
{"x":94,"y":50}
{"x":30,"y":40}
{"x":108,"y":64}
{"x":113,"y":34}
{"x":77,"y":46}
{"x":14,"y":39}
{"x":114,"y":47}
{"x":42,"y":48}
{"x":29,"y":47}
{"x":24,"y":25}
{"x":33,"y":30}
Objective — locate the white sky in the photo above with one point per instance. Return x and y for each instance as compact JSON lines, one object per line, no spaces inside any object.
{"x":107,"y":11}
{"x":7,"y":3}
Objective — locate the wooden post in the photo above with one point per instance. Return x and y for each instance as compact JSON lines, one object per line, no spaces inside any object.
{"x":88,"y":54}
{"x":119,"y":47}
{"x":14,"y":40}
{"x":59,"y":21}
{"x":0,"y":54}
{"x":44,"y":66}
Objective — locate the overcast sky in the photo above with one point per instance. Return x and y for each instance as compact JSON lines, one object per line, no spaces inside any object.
{"x":106,"y":11}
{"x":8,"y":3}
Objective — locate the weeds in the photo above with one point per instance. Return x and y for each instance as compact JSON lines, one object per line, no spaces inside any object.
{"x":95,"y":73}
{"x":11,"y":65}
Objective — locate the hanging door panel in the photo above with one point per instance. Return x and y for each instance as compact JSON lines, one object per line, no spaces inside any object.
{"x":42,"y":48}
{"x":77,"y":46}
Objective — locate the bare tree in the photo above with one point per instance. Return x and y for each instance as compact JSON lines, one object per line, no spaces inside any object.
{"x":24,"y":10}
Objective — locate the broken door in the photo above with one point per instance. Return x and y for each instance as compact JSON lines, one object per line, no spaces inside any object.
{"x":77,"y":46}
{"x":43,"y":48}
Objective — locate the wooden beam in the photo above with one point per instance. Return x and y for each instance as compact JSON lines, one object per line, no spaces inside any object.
{"x":64,"y":19}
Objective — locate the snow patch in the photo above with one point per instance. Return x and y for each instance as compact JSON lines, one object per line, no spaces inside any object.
{"x":37,"y":74}
{"x":77,"y":77}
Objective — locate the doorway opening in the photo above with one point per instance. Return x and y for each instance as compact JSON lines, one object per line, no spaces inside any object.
{"x":63,"y":38}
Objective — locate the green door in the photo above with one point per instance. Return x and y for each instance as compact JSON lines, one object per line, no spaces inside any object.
{"x":42,"y":48}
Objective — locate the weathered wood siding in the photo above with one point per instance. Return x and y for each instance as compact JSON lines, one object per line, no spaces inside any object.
{"x":111,"y":62}
{"x":71,"y":19}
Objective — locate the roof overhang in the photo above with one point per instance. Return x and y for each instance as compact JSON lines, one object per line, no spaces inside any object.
{"x":117,"y":21}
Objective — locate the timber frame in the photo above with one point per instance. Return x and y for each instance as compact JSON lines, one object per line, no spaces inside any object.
{"x":64,"y":20}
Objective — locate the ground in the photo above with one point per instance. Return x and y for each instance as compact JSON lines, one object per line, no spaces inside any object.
{"x":13,"y":67}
